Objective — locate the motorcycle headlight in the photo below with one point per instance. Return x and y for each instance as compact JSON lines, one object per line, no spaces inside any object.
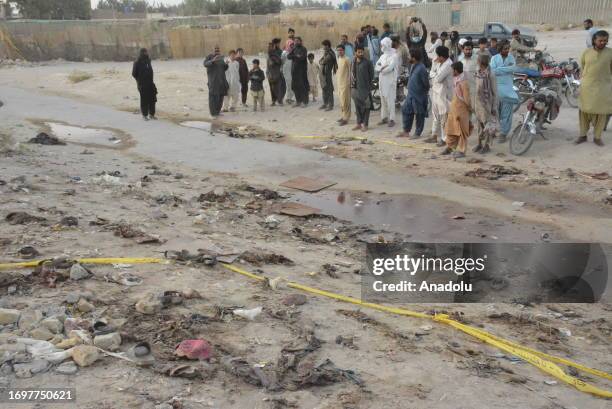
{"x":539,"y":106}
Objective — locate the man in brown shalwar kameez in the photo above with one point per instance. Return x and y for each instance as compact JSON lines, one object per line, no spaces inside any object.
{"x":458,"y":126}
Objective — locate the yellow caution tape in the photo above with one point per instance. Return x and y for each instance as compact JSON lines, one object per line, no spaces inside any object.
{"x":541,"y":360}
{"x":119,"y":260}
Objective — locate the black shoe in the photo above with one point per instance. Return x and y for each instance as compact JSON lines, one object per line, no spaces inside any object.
{"x":322,"y":107}
{"x":477,"y":148}
{"x":485,"y":149}
{"x":446,"y":151}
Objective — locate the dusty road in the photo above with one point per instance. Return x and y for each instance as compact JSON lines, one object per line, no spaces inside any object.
{"x":198,"y":189}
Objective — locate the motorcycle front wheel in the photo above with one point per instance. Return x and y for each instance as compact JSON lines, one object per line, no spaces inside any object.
{"x":572,"y":94}
{"x":375,"y":99}
{"x":521,"y":139}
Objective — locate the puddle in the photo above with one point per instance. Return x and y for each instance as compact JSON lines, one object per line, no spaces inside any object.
{"x":424,"y":218}
{"x":96,"y":136}
{"x":204,"y":126}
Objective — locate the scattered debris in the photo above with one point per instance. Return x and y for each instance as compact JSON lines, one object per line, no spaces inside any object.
{"x":297,"y":209}
{"x":307,"y":184}
{"x":45,"y":139}
{"x":23,"y":218}
{"x":194,"y":349}
{"x":248,"y":314}
{"x":28,"y":252}
{"x":257,"y":259}
{"x":494,"y":172}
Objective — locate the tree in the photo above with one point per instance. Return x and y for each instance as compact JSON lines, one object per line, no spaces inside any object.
{"x":55,"y":9}
{"x":202,"y":7}
{"x":134,"y":6}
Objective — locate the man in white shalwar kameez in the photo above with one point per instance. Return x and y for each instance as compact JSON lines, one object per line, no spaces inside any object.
{"x":232,"y":75}
{"x":388,"y":70}
{"x":441,"y":77}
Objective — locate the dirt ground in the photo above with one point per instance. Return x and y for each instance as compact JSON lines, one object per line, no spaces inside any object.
{"x":279,"y":359}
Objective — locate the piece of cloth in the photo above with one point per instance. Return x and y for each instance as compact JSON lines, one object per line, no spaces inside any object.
{"x":257,"y":77}
{"x":244,"y":78}
{"x":142,"y":71}
{"x":217,"y":83}
{"x":598,"y":121}
{"x":258,"y":99}
{"x":458,"y":126}
{"x":343,"y":80}
{"x":387,"y":69}
{"x":362,"y":74}
{"x":287,"y":72}
{"x":596,"y":82}
{"x":493,"y":51}
{"x":299,"y":73}
{"x":329,"y":66}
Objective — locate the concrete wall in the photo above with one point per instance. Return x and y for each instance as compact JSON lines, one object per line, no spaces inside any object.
{"x":556,"y":12}
{"x":194,"y":37}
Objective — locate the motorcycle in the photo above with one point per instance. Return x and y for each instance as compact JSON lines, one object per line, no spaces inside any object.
{"x":402,"y":81}
{"x":543,"y":107}
{"x":571,"y":81}
{"x":527,"y":82}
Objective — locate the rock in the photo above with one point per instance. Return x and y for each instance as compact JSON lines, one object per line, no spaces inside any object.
{"x":82,"y":335}
{"x":67,"y":368}
{"x":26,"y":370}
{"x":85,"y":306}
{"x":41,"y":333}
{"x":149,"y":304}
{"x":190,"y":293}
{"x":29,"y":319}
{"x":295,"y":299}
{"x":85,"y":355}
{"x":163,"y":406}
{"x":78,"y":272}
{"x":565,"y":332}
{"x":12,"y":348}
{"x":109,"y":342}
{"x":69,"y":343}
{"x":9,"y":316}
{"x":53,"y":324}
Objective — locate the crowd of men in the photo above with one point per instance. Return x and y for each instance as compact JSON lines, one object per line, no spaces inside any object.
{"x":464,"y":83}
